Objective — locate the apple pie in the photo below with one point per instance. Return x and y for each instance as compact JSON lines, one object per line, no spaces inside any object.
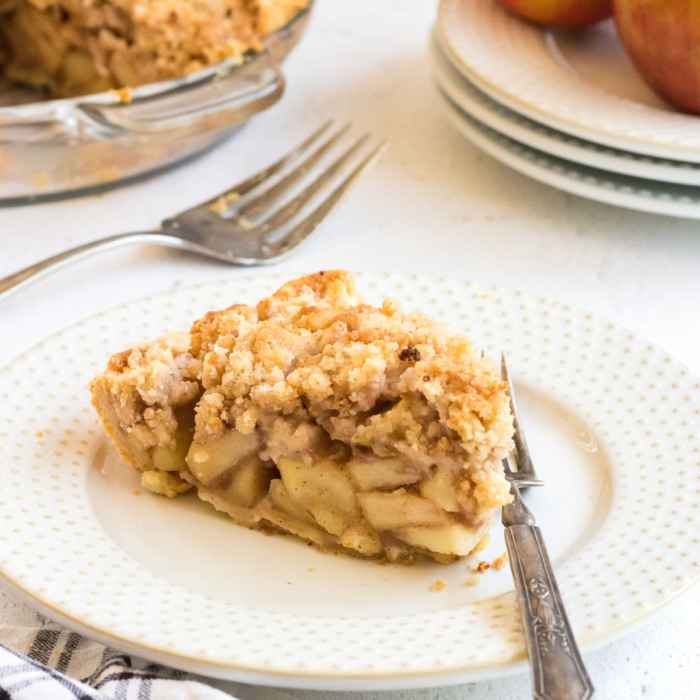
{"x":75,"y":47}
{"x":357,"y":428}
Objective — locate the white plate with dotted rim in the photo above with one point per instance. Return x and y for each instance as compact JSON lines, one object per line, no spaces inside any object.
{"x":650,"y":196}
{"x":612,"y":422}
{"x":581,"y":83}
{"x":478,"y":105}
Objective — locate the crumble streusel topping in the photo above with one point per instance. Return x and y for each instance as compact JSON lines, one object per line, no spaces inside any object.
{"x":346,"y":369}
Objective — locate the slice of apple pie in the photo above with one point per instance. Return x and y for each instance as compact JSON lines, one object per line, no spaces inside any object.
{"x":357,"y":428}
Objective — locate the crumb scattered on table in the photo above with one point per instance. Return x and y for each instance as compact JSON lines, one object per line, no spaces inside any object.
{"x":123,"y":95}
{"x":483,"y":544}
{"x":437,"y":586}
{"x":221,"y":204}
{"x":499,"y":562}
{"x":245,"y":223}
{"x":41,"y":180}
{"x":472,"y":581}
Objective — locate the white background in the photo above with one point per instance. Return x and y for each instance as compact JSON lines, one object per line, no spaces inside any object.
{"x":433,"y":204}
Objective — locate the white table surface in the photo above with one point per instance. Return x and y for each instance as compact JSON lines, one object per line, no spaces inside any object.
{"x":433,"y":204}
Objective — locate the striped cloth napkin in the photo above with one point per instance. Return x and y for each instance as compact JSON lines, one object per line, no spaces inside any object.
{"x":50,"y":663}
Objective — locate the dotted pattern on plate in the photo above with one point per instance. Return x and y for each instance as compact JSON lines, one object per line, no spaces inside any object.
{"x":640,"y":403}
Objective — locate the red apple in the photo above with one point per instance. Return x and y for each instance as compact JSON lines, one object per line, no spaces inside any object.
{"x":560,"y":13}
{"x":663,"y":39}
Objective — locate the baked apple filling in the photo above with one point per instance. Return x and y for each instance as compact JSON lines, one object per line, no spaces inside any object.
{"x":336,"y":499}
{"x":355,"y":428}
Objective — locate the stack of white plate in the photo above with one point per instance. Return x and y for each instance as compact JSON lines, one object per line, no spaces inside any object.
{"x":565,"y":108}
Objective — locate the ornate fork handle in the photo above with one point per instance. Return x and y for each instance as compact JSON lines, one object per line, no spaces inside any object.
{"x":557,"y":668}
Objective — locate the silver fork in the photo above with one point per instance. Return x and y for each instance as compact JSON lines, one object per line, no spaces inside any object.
{"x":525,"y":473}
{"x":557,"y":668}
{"x":240,"y":225}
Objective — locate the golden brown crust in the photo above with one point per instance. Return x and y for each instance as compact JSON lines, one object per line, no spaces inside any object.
{"x":328,"y":288}
{"x":103,"y":403}
{"x":138,"y":394}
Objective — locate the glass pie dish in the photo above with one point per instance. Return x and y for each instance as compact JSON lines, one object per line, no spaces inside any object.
{"x":51,"y":148}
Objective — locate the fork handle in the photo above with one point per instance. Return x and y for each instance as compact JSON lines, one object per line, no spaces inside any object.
{"x":27,"y":275}
{"x":558,"y":672}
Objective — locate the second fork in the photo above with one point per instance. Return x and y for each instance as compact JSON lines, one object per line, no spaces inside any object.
{"x":240,"y":225}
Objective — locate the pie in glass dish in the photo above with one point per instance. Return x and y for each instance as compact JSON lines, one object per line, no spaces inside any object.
{"x":359,"y":429}
{"x":76,"y":47}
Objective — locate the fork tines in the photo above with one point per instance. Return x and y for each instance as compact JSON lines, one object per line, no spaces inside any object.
{"x":317,"y":171}
{"x":525,"y":474}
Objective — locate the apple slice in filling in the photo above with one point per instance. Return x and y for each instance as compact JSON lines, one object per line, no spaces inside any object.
{"x":248,"y":482}
{"x":282,"y":512}
{"x":210,"y":460}
{"x":363,"y":503}
{"x":439,"y":488}
{"x":172,"y":457}
{"x":324,"y":490}
{"x":454,"y":538}
{"x":376,"y":474}
{"x":400,"y":508}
